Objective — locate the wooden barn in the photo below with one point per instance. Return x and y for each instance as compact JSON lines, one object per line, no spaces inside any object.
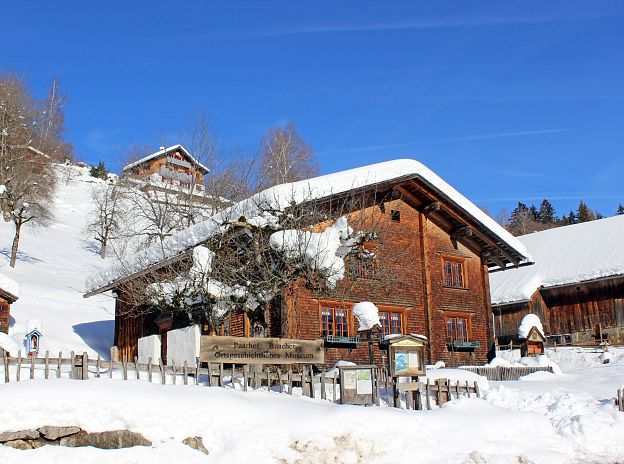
{"x":439,"y":248}
{"x":170,"y":166}
{"x":9,"y":293}
{"x":576,"y":286}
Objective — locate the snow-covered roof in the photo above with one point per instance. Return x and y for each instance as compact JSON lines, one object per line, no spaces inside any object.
{"x":9,"y":286}
{"x":282,"y":196}
{"x":164,"y":151}
{"x":564,"y":255}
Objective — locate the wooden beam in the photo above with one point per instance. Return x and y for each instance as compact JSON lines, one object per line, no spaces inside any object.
{"x":433,"y":206}
{"x":492,"y":256}
{"x":465,"y":231}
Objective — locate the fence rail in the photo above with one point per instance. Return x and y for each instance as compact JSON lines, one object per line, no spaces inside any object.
{"x":502,"y":373}
{"x":304,"y":381}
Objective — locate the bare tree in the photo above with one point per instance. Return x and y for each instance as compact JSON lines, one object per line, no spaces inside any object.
{"x":26,"y":174}
{"x":106,"y":218}
{"x":285,"y":157}
{"x":257,"y":251}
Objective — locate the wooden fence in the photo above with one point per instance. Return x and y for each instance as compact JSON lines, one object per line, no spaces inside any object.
{"x":619,"y":400}
{"x":501,"y":373}
{"x":411,"y":394}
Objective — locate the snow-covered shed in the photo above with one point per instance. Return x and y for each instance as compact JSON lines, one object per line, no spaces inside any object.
{"x":9,"y":293}
{"x":576,"y":285}
{"x":438,"y":246}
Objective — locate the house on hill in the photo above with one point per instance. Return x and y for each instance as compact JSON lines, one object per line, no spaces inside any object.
{"x":438,"y":248}
{"x":575,"y":287}
{"x":9,"y":293}
{"x":170,"y":166}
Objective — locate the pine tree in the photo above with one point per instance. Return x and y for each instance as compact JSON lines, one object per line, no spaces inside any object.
{"x":534,"y":213}
{"x":569,"y":219}
{"x":100,"y":171}
{"x":584,"y":213}
{"x":546,"y":214}
{"x":620,"y":210}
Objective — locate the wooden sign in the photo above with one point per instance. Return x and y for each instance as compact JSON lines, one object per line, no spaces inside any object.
{"x":252,"y":350}
{"x":357,"y":384}
{"x":406,"y":356}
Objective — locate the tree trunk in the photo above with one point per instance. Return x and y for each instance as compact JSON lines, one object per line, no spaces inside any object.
{"x":103,"y":252}
{"x":16,"y":238}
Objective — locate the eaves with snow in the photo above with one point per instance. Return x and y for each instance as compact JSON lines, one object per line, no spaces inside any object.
{"x":9,"y":289}
{"x":564,"y":256}
{"x":414,"y":182}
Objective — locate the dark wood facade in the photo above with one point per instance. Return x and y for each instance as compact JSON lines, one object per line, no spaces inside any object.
{"x":6,"y":300}
{"x":578,"y":313}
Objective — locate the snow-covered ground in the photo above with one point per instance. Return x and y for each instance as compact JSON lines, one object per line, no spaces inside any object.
{"x":52,"y":265}
{"x":543,"y":418}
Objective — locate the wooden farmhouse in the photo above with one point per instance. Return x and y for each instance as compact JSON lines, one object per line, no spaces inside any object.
{"x":9,"y":293}
{"x":429,"y":275}
{"x":172,"y":166}
{"x":576,"y":286}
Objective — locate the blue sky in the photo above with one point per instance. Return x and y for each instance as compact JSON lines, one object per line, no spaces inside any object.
{"x":507,"y":101}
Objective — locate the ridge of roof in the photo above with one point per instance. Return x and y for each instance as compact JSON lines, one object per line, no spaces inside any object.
{"x":162,"y":152}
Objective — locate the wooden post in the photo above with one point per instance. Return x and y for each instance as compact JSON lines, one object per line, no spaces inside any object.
{"x":396,"y":395}
{"x":304,"y":387}
{"x":84,"y":375}
{"x":136,"y":368}
{"x":47,"y":365}
{"x":311,"y":382}
{"x":5,"y":358}
{"x":417,"y":398}
{"x":185,"y":367}
{"x":173,"y":368}
{"x":124,"y":366}
{"x":32,"y":366}
{"x":477,"y":389}
{"x":73,"y":364}
{"x":279,"y":380}
{"x":443,"y":391}
{"x":427,"y":398}
{"x":221,"y":382}
{"x":290,"y":381}
{"x":323,"y":393}
{"x":58,"y":365}
{"x":197,"y":366}
{"x":99,"y":365}
{"x":149,"y":369}
{"x":245,"y":376}
{"x":232,"y":380}
{"x":334,"y":388}
{"x":163,"y":374}
{"x":19,"y":365}
{"x":467,"y":389}
{"x":268,"y":376}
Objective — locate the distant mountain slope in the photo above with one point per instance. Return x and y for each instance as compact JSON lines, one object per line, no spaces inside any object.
{"x":51,"y":269}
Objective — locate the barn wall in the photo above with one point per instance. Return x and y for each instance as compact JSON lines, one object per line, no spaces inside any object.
{"x":5,"y":311}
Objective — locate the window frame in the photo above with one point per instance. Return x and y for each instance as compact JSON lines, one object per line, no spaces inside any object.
{"x":333,"y":306}
{"x":391,"y":310}
{"x":454,"y":260}
{"x":455,"y":315}
{"x":351,"y":324}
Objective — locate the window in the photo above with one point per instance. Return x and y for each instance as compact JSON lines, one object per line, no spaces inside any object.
{"x":457,"y":329}
{"x":395,"y":215}
{"x":391,"y":323}
{"x":454,"y":274}
{"x":335,"y":321}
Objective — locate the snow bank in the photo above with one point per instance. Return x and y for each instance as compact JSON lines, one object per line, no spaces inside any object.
{"x":367,"y":315}
{"x":457,"y":375}
{"x":276,"y":199}
{"x":9,"y":344}
{"x":563,"y":255}
{"x":9,"y":285}
{"x":528,"y":322}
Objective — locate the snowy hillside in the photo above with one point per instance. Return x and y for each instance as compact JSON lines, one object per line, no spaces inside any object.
{"x":51,"y":269}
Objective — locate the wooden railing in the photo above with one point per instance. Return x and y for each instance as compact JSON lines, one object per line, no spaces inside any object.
{"x":302,"y":380}
{"x":502,"y":373}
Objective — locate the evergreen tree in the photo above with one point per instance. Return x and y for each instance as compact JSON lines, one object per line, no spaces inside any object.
{"x":620,"y":210}
{"x":546,"y":214}
{"x":584,"y":213}
{"x":534,"y":213}
{"x":100,"y":171}
{"x":569,"y":219}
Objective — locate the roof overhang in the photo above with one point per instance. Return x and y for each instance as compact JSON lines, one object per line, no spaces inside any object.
{"x":8,"y":296}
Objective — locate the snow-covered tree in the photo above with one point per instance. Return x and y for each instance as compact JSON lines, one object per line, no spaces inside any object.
{"x":106,"y":219}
